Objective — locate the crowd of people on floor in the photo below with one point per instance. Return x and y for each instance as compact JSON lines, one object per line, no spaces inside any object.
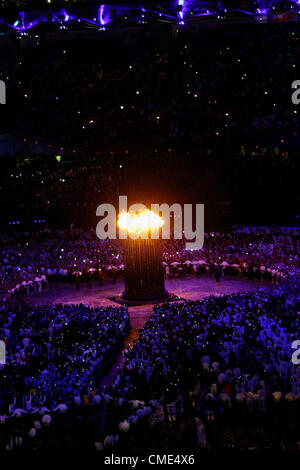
{"x":195,"y":370}
{"x":29,"y":261}
{"x":56,"y":357}
{"x":212,"y":374}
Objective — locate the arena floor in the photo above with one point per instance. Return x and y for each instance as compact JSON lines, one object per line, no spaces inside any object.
{"x":188,"y":288}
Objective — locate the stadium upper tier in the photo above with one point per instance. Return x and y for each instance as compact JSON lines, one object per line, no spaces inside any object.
{"x":50,"y":15}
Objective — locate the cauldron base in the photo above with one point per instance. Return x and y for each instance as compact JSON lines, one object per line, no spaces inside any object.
{"x":169,"y":297}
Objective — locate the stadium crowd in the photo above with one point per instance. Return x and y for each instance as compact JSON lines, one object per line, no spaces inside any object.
{"x":211,"y":374}
{"x":199,"y":367}
{"x":30,"y":260}
{"x":94,"y":97}
{"x":55,"y":359}
{"x":196,"y":368}
{"x":223,"y":109}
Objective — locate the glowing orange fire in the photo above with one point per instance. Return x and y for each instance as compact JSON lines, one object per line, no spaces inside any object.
{"x":139,"y":222}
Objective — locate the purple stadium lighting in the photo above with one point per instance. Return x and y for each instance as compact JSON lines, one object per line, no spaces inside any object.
{"x":246,"y":12}
{"x":180,"y":3}
{"x":103,"y":19}
{"x":160,"y":14}
{"x":101,"y":10}
{"x":66,"y":17}
{"x":23,"y":27}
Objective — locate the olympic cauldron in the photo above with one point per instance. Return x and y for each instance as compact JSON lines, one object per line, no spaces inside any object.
{"x":144,"y":275}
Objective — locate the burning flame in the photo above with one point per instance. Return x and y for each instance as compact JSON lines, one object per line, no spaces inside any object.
{"x":139,"y":222}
